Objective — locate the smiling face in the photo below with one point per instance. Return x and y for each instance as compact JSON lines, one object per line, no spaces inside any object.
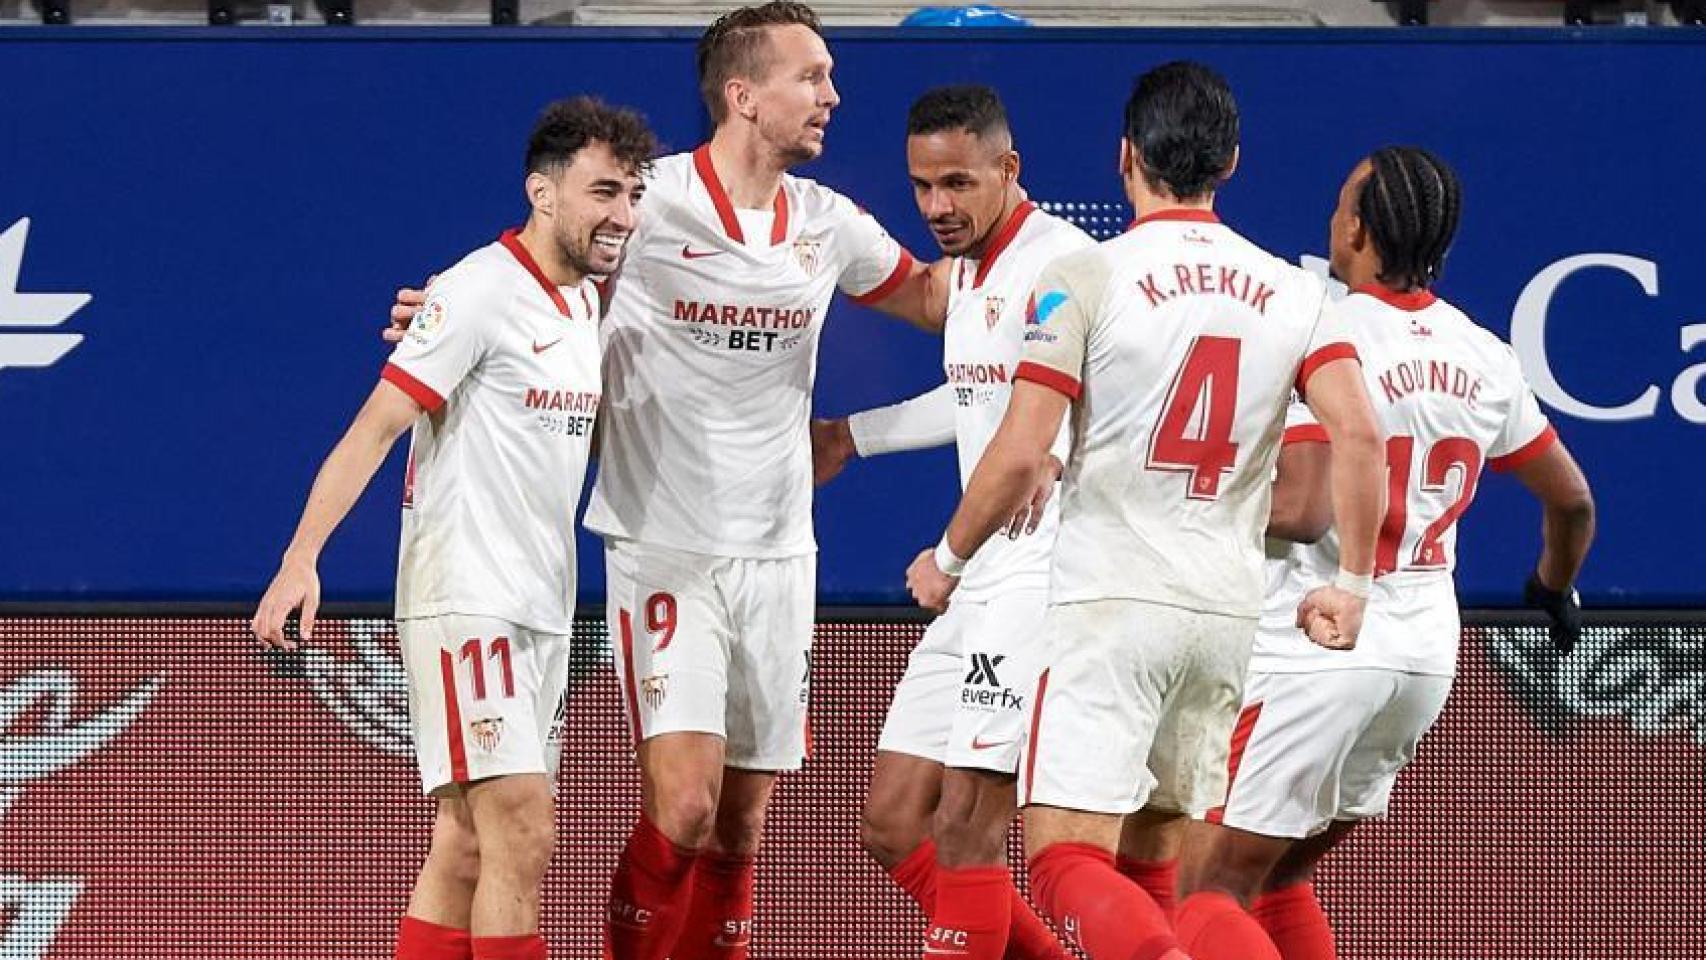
{"x":592,"y":202}
{"x":962,"y":183}
{"x":792,"y":97}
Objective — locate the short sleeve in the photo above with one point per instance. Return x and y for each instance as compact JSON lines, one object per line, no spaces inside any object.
{"x":873,"y":264}
{"x":1059,"y":317}
{"x":1330,"y":340}
{"x":1526,"y":433}
{"x":1301,"y":425}
{"x":445,"y":341}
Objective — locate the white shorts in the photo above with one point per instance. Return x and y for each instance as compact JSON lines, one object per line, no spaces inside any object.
{"x":965,"y":698}
{"x":1135,"y":707}
{"x":1312,"y":748}
{"x":486,"y":698}
{"x":716,"y":645}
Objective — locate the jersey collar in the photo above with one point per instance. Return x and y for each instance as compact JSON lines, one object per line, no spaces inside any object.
{"x":511,"y":241}
{"x":1002,"y":238}
{"x":1411,"y":301}
{"x":1184,"y":214}
{"x":726,"y":210}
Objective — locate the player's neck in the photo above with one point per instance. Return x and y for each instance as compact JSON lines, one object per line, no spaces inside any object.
{"x":1009,"y":203}
{"x":1148,"y":202}
{"x":536,"y":238}
{"x":751,"y":172}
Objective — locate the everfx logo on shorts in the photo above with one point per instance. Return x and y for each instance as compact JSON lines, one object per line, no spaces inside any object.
{"x":32,"y":310}
{"x":982,"y":674}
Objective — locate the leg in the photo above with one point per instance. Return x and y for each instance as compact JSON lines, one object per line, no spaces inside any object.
{"x":515,"y":823}
{"x":895,"y":825}
{"x":680,"y":780}
{"x":719,"y":919}
{"x":1150,"y":840}
{"x":436,"y":925}
{"x":1075,"y":883}
{"x":1288,"y":907}
{"x":1197,"y":750}
{"x":978,"y":910}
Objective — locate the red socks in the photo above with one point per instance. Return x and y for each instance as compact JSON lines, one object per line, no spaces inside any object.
{"x":973,"y":908}
{"x":719,"y":922}
{"x":1028,"y":937}
{"x":648,"y":896}
{"x":1293,"y":917}
{"x":419,"y":940}
{"x":1158,"y":878}
{"x":528,"y":947}
{"x":1106,"y":914}
{"x":1214,"y":926}
{"x":917,"y":875}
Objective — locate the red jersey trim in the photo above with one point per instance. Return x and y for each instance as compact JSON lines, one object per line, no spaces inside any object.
{"x":512,"y":242}
{"x":1036,"y":727}
{"x":1049,"y":377}
{"x":453,"y":719}
{"x":1322,"y":357}
{"x":1304,"y":433}
{"x":1003,"y":237}
{"x":1411,"y":301}
{"x":1182,"y":214}
{"x":1235,"y":757}
{"x":424,"y":395}
{"x":896,"y":277}
{"x":726,"y":210}
{"x":629,"y":687}
{"x":1527,"y":451}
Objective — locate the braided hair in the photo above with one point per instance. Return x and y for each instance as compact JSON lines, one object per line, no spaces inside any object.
{"x":1410,"y":204}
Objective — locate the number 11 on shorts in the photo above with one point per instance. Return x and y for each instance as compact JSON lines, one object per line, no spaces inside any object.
{"x":475,"y":653}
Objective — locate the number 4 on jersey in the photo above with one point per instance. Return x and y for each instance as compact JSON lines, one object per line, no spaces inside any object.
{"x":1195,"y":432}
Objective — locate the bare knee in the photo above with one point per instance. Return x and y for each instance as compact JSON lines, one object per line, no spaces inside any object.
{"x":897,"y":815}
{"x":515,"y":825}
{"x":972,"y":818}
{"x":891,"y":833}
{"x":1229,"y":861}
{"x":740,"y":821}
{"x":455,"y":852}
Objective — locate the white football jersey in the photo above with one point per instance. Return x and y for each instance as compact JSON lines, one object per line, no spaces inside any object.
{"x":1180,"y":343}
{"x":710,"y":352}
{"x":1451,"y":397}
{"x":507,"y":366}
{"x":981,"y":345}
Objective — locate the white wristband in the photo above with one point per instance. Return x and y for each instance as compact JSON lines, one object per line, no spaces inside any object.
{"x":1359,"y":584}
{"x":947,"y":560}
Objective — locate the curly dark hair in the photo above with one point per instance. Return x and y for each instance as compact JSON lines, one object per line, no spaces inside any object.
{"x":1410,"y":203}
{"x":735,"y":45}
{"x":1183,"y":121}
{"x":971,"y":107}
{"x":567,"y":125}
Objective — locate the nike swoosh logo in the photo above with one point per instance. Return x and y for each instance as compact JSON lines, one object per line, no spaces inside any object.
{"x":977,"y":744}
{"x":691,"y":254}
{"x":541,"y":349}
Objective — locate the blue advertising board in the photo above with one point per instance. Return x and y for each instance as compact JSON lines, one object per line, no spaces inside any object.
{"x":223,"y":216}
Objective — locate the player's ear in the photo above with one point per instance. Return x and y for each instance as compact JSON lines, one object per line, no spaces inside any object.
{"x":738,"y":94}
{"x":1010,"y":165}
{"x":1128,"y":157}
{"x":1232,"y":167}
{"x":540,"y":194}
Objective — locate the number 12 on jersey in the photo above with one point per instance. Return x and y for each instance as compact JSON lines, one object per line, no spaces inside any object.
{"x":1194,"y":434}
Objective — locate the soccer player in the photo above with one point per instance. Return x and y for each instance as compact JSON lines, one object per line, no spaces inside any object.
{"x":705,"y":474}
{"x":961,"y":705}
{"x":1323,"y":734}
{"x":1176,"y":346}
{"x":499,"y":377}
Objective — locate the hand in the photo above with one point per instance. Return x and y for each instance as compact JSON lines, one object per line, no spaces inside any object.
{"x":1332,"y":617}
{"x":929,"y":585}
{"x":1563,"y":608}
{"x":832,"y":447}
{"x":409,"y":300}
{"x":296,"y":585}
{"x":1030,"y":514}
